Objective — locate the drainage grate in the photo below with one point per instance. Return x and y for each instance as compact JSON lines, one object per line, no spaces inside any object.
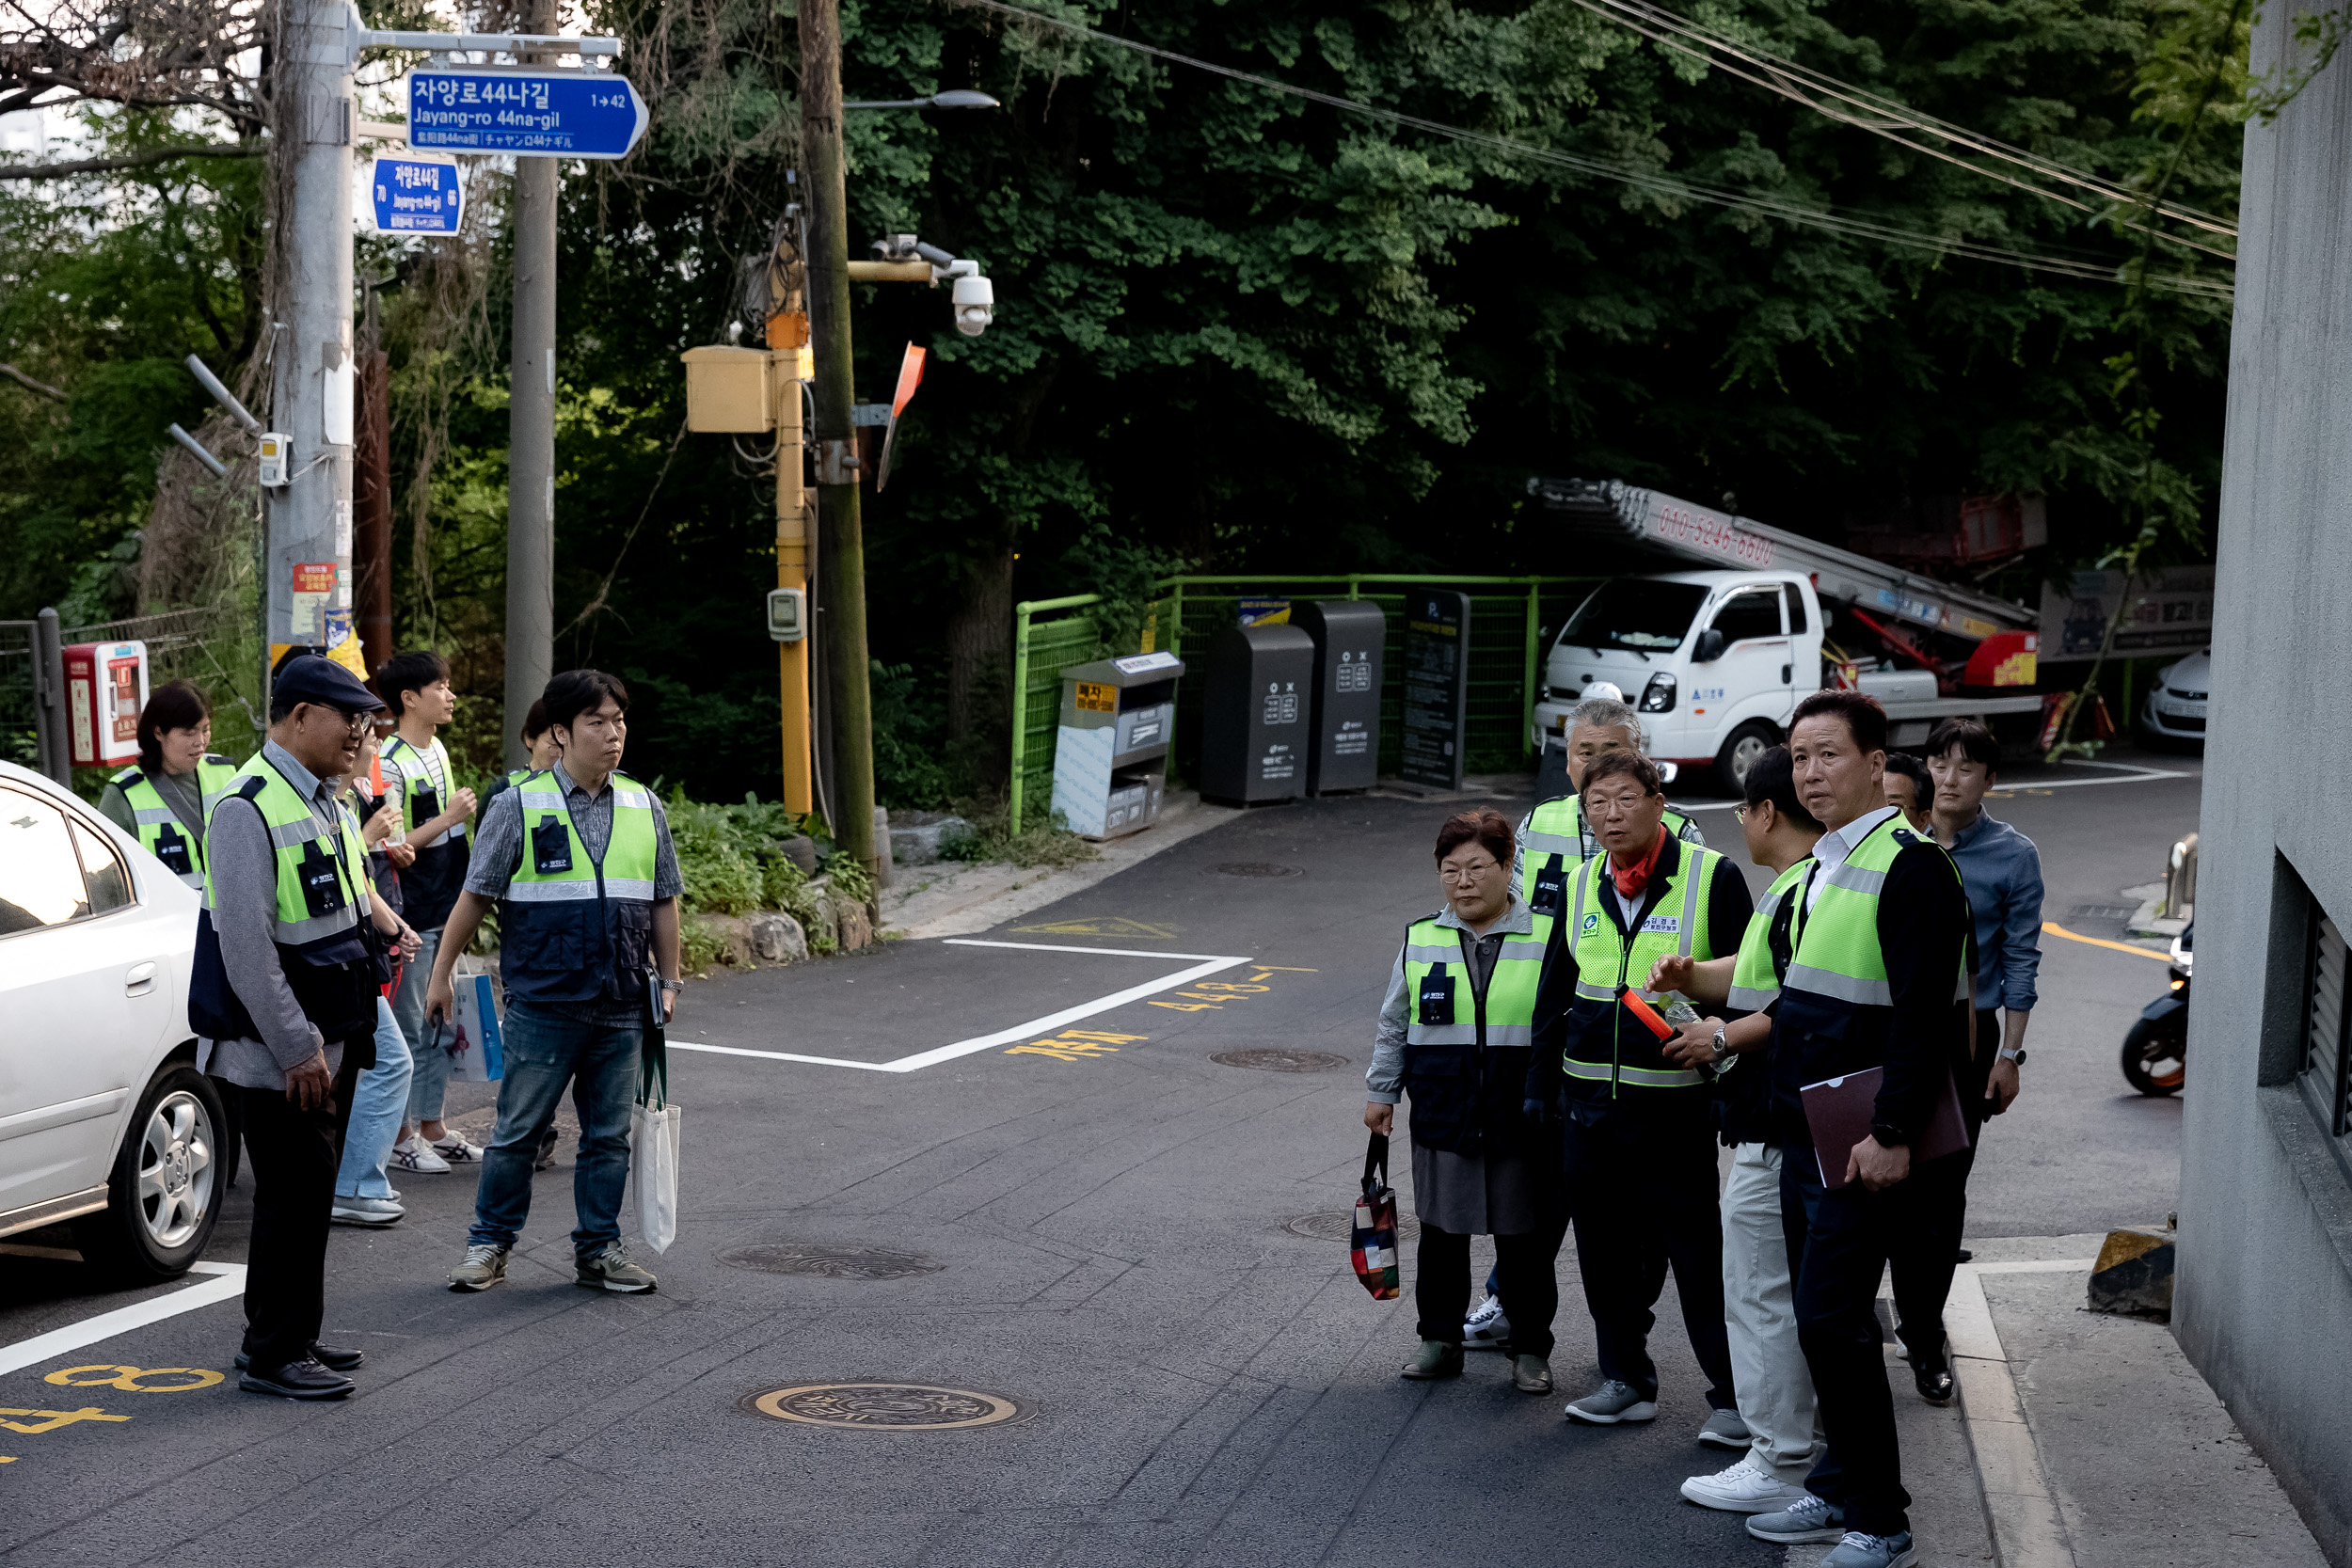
{"x":1257,"y":868}
{"x":1328,"y":1226}
{"x":2112,"y":913}
{"x":887,"y":1406}
{"x":1276,"y":1059}
{"x":831,"y":1262}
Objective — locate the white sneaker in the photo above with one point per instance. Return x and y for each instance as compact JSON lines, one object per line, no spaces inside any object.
{"x":458,"y":1151}
{"x":413,"y":1153}
{"x":374,"y":1211}
{"x":1746,"y":1487}
{"x":1486,"y":1328}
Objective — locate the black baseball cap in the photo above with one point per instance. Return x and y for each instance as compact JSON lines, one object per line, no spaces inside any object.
{"x":309,"y":678}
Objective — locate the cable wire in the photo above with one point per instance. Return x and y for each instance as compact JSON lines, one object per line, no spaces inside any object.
{"x":1832,"y":220}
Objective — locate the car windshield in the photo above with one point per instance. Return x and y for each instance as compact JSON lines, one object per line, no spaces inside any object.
{"x":1639,"y":613}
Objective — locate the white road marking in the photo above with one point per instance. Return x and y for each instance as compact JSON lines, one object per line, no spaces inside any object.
{"x":1205,"y":965}
{"x":228,"y":1283}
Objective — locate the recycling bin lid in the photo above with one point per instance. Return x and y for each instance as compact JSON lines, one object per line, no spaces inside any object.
{"x":1134,"y":669}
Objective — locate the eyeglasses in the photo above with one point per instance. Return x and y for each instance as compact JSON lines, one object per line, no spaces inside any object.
{"x":1467,"y":873}
{"x":358,"y":723}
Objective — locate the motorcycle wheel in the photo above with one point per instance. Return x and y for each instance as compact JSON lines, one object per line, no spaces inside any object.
{"x":2155,"y":1059}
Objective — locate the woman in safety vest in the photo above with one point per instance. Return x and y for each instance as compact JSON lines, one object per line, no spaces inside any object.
{"x":1455,"y":1030}
{"x":162,"y":802}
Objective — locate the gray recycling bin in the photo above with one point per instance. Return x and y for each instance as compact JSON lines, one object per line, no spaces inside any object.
{"x":1110,"y":758}
{"x":1255,"y":715}
{"x":1349,"y":635}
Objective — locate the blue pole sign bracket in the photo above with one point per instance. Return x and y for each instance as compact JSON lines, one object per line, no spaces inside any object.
{"x":547,"y":114}
{"x":416,"y":195}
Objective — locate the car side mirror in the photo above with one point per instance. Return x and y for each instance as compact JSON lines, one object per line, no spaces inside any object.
{"x":1711,"y":647}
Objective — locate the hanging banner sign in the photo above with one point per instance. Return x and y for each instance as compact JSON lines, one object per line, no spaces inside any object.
{"x":549,"y":114}
{"x":416,"y":195}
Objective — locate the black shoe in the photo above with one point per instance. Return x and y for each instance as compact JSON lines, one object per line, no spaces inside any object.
{"x":1933,"y":1379}
{"x":298,"y":1379}
{"x":1966,"y":1256}
{"x":333,"y":1358}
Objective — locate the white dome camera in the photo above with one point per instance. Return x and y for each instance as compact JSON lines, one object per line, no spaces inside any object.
{"x":974,"y":302}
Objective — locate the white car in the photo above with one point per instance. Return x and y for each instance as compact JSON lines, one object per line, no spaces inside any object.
{"x":104,"y":1120}
{"x":2176,"y":708}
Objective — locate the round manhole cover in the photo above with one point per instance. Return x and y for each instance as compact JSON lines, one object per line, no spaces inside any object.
{"x":831,"y":1262}
{"x":887,"y":1406}
{"x":1276,"y":1059}
{"x":1341,"y":1227}
{"x":1256,"y":868}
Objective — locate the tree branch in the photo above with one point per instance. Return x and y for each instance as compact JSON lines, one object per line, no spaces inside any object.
{"x":147,"y":159}
{"x":42,"y":387}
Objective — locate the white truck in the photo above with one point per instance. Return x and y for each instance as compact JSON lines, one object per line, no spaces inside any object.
{"x":1715,"y":660}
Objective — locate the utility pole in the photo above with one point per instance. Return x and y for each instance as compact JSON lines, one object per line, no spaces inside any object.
{"x":307,"y":555}
{"x":842,"y":549}
{"x":530,"y":436}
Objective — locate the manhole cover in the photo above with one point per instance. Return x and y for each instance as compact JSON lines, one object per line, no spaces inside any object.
{"x":1341,"y":1227}
{"x":1276,"y":1059}
{"x":887,"y":1406}
{"x":1256,"y":868}
{"x":831,"y":1262}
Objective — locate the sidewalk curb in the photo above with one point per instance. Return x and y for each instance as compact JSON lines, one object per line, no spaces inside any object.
{"x":2020,"y":1511}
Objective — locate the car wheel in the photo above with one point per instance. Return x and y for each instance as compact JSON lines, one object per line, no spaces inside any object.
{"x":1747,"y":745}
{"x":163,"y":1196}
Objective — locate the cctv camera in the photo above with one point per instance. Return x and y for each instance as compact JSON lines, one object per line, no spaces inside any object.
{"x":975,"y":302}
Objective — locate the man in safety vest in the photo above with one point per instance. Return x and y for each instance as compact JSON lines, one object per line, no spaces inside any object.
{"x":1638,"y":1132}
{"x":1882,"y":954}
{"x":282,"y":996}
{"x":579,"y":861}
{"x":1555,"y":838}
{"x":162,"y":802}
{"x":1773,"y":1385}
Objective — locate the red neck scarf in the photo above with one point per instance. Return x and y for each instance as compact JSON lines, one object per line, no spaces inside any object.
{"x":1632,"y":880}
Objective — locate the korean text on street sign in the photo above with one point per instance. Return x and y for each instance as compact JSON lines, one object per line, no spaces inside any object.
{"x":559,"y":114}
{"x":416,"y":196}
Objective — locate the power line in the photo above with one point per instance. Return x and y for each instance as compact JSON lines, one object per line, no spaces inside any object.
{"x":1846,"y":224}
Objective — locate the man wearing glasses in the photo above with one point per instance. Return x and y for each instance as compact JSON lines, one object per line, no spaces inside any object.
{"x":283,"y":999}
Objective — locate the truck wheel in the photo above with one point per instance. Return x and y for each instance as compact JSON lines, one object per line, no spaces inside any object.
{"x":164,"y":1195}
{"x":2155,"y":1059}
{"x":1747,"y":743}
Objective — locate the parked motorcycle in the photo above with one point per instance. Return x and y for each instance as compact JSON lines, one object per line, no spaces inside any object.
{"x":2155,"y":1053}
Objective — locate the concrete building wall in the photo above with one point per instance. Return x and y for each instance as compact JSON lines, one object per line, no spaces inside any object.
{"x":2265,"y":1291}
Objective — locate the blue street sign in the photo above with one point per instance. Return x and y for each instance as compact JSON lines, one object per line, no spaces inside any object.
{"x":416,"y":196}
{"x":561,"y":113}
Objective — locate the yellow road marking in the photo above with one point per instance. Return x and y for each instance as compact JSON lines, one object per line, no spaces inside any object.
{"x":2057,"y":930}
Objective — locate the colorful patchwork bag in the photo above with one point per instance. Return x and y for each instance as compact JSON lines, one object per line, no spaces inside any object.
{"x":1374,"y":1241}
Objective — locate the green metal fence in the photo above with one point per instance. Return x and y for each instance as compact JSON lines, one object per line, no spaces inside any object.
{"x":1509,"y":619}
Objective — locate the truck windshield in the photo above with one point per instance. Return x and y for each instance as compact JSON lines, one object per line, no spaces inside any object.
{"x":1639,"y":613}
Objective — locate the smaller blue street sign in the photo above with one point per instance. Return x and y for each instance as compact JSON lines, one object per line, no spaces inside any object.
{"x":416,"y":196}
{"x":550,"y":114}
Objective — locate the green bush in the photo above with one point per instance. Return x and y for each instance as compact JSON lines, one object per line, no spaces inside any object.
{"x":732,"y":858}
{"x":1037,"y":844}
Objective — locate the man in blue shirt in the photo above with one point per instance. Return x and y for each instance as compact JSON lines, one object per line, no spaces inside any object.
{"x":2002,"y":872}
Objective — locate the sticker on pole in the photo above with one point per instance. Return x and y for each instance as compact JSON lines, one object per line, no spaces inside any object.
{"x":416,"y":195}
{"x":550,"y":114}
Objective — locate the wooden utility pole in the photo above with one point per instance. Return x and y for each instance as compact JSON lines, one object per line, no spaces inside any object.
{"x":842,"y":620}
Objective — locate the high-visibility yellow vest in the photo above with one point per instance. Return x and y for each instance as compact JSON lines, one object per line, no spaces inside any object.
{"x":161,"y":833}
{"x":1611,"y":1047}
{"x":1755,"y":976}
{"x":572,"y":928}
{"x":1466,"y":1053}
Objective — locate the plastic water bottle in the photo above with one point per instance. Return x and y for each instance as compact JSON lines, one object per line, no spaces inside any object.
{"x":1678,"y":1011}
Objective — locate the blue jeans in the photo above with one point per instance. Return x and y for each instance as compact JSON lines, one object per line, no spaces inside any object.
{"x":546,"y":1050}
{"x":376,"y":1104}
{"x":431,"y":1081}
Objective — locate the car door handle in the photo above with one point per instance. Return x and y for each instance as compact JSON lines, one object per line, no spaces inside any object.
{"x":139,"y":980}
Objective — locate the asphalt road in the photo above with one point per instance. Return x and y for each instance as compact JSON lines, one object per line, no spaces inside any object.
{"x":1087,"y":1222}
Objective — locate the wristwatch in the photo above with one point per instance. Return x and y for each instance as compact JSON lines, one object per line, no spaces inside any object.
{"x":2017,"y":1056}
{"x":1722,"y":1050}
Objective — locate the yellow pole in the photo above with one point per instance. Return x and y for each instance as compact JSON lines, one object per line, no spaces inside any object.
{"x":792,"y":552}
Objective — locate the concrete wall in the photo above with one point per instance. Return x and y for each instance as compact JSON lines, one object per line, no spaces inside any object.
{"x":2264,"y":1302}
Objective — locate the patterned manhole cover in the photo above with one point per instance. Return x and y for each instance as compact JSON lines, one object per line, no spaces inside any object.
{"x":831,"y":1262}
{"x":1276,"y":1059}
{"x":1256,"y":868}
{"x":1341,"y":1227}
{"x":887,"y":1406}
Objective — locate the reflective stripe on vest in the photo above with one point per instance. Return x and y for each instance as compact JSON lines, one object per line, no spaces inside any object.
{"x":1753,"y":981}
{"x":292,"y":829}
{"x":1510,"y":987}
{"x":1838,"y":956}
{"x":153,"y":813}
{"x":1601,"y":949}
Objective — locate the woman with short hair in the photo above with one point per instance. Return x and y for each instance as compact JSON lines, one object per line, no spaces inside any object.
{"x":160,"y":801}
{"x":1456,"y":1028}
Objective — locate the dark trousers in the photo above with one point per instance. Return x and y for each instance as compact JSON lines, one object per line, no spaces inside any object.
{"x":1643,"y":1193}
{"x":1839,"y":1243}
{"x":293,"y":1154}
{"x":1530,"y":1286}
{"x":1922,"y":1260}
